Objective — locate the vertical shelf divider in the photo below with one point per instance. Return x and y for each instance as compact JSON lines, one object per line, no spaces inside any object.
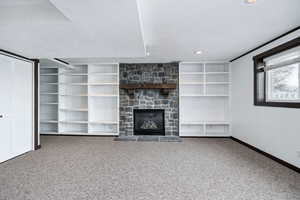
{"x":204,"y":79}
{"x":118,"y":99}
{"x":89,"y":98}
{"x":60,"y":71}
{"x":205,"y":93}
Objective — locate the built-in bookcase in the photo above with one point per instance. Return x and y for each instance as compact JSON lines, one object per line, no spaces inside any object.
{"x":204,"y":90}
{"x":84,"y":101}
{"x":103,"y":99}
{"x":49,"y":99}
{"x":73,"y":100}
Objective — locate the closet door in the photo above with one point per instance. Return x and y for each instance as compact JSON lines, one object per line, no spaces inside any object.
{"x":16,"y":107}
{"x":6,"y":66}
{"x":22,"y":107}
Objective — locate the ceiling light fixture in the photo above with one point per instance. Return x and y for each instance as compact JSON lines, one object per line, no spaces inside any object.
{"x":147,"y":50}
{"x":250,"y":1}
{"x":198,"y":52}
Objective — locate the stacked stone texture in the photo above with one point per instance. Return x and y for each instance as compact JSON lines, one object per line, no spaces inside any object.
{"x":149,"y":98}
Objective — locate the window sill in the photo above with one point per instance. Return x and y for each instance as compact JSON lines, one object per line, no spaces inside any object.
{"x":278,"y":104}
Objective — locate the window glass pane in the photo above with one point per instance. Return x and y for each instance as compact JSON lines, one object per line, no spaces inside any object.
{"x":260,"y":87}
{"x":283,"y":83}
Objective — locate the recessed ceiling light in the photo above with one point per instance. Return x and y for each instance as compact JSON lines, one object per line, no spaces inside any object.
{"x":250,"y":1}
{"x":198,"y":52}
{"x":147,"y":50}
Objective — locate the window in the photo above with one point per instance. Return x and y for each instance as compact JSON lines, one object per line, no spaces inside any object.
{"x":277,"y":76}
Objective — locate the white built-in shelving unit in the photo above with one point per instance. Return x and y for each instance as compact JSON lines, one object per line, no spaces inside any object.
{"x":80,"y":101}
{"x":49,"y":99}
{"x":85,"y":100}
{"x":204,"y":90}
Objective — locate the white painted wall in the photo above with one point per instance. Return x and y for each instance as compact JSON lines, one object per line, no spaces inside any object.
{"x":271,"y":129}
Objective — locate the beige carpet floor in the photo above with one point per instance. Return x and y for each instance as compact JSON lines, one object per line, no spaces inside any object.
{"x":80,"y":168}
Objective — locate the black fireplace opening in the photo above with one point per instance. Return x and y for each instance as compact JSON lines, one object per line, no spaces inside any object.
{"x":149,"y":121}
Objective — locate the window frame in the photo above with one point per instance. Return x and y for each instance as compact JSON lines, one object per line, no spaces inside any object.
{"x":259,"y":60}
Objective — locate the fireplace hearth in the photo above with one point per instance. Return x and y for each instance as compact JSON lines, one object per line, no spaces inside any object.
{"x":149,"y":122}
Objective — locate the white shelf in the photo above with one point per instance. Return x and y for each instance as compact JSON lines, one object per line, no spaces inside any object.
{"x":49,"y":122}
{"x":96,"y":113}
{"x":89,"y":74}
{"x":48,"y":93}
{"x":103,"y":95}
{"x":49,"y":67}
{"x":90,"y":95}
{"x":80,"y":84}
{"x":217,"y":83}
{"x":214,"y":133}
{"x":45,"y":103}
{"x":48,"y":133}
{"x":73,"y":133}
{"x":95,"y":84}
{"x":89,"y":122}
{"x":204,"y":99}
{"x":192,"y":83}
{"x":217,"y":123}
{"x":43,"y":83}
{"x":74,"y":74}
{"x":204,"y":83}
{"x":104,"y":73}
{"x":195,"y":95}
{"x":49,"y":74}
{"x":74,"y":110}
{"x":104,"y":122}
{"x":203,"y":73}
{"x":192,"y":123}
{"x":74,"y":122}
{"x":212,"y":73}
{"x":193,"y":73}
{"x":102,"y":133}
{"x":75,"y":95}
{"x":206,"y":123}
{"x":91,"y":84}
{"x":192,"y":134}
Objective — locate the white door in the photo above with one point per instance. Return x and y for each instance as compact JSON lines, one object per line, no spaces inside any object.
{"x":6,"y":66}
{"x":22,"y":110}
{"x":16,"y":107}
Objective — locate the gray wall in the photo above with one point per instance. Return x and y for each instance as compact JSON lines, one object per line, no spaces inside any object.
{"x":271,"y":129}
{"x":149,"y":99}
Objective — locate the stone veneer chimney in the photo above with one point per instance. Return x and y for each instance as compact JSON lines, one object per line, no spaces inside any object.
{"x":150,"y":73}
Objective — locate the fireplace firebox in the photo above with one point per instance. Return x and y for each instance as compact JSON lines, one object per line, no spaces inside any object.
{"x":149,"y":122}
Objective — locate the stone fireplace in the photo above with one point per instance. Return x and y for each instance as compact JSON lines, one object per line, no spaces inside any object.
{"x":147,"y":91}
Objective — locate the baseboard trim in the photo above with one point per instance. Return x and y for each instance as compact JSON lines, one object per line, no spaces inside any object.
{"x":278,"y":160}
{"x":228,"y":137}
{"x":79,"y":135}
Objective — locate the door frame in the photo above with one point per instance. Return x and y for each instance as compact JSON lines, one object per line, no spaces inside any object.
{"x":35,"y":88}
